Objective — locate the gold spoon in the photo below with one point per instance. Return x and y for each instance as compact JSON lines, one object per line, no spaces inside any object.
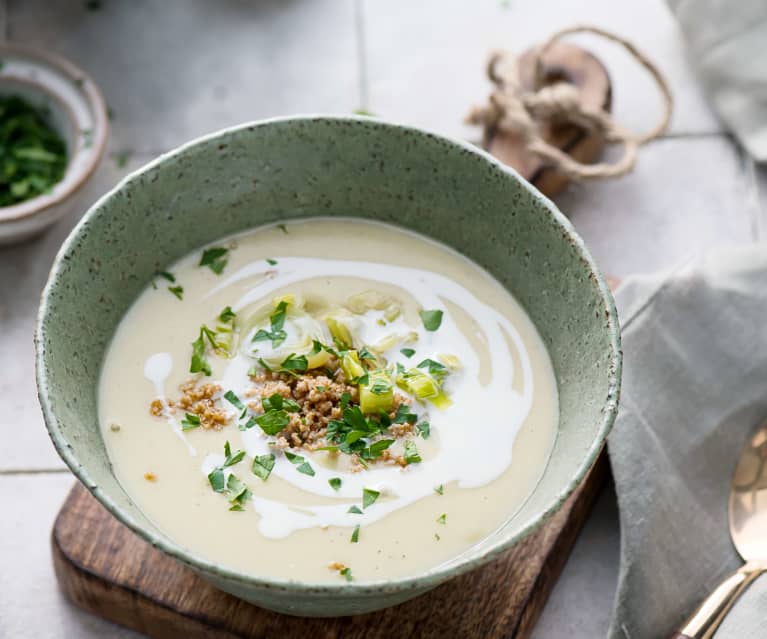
{"x":748,"y":529}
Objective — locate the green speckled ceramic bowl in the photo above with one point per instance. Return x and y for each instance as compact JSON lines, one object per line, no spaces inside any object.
{"x":290,"y":168}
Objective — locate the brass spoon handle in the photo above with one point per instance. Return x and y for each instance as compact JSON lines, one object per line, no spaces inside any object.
{"x":703,"y":623}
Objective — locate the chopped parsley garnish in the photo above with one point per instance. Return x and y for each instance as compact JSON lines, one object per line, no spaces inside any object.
{"x":218,"y":482}
{"x":215,"y":258}
{"x":238,"y":491}
{"x":253,"y":421}
{"x":442,"y":519}
{"x":369,"y":497}
{"x":436,"y":370}
{"x":295,"y":363}
{"x":271,"y":261}
{"x":227,"y":315}
{"x":178,"y":291}
{"x":273,"y":421}
{"x":356,"y":534}
{"x":437,"y":537}
{"x":380,"y":386}
{"x":404,"y":416}
{"x":262,"y":466}
{"x":346,"y":573}
{"x":283,"y":228}
{"x":278,"y":402}
{"x":376,"y":449}
{"x":33,"y":156}
{"x":232,"y":458}
{"x":306,"y":469}
{"x":335,"y":483}
{"x":431,"y":319}
{"x":293,"y":458}
{"x":277,"y":333}
{"x":407,"y":352}
{"x":362,"y":380}
{"x":190,"y":421}
{"x":423,"y":429}
{"x":200,"y":362}
{"x":320,"y":389}
{"x":440,"y":490}
{"x":411,"y":452}
{"x":235,"y":401}
{"x":364,"y":354}
{"x":168,"y":276}
{"x":354,"y":510}
{"x":302,"y":466}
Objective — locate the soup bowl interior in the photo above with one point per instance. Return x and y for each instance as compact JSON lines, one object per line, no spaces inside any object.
{"x":292,"y":168}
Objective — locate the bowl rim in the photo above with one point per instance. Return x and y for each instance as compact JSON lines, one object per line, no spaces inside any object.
{"x":89,"y":89}
{"x":419,"y":581}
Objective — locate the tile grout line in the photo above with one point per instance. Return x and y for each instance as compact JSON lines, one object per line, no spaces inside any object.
{"x":361,"y":54}
{"x":4,"y":21}
{"x":16,"y":472}
{"x":754,"y":201}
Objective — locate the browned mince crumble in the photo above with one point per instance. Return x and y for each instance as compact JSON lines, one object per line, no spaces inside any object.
{"x":317,"y":394}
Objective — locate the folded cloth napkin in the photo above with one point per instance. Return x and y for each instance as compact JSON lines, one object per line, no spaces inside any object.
{"x":727,"y":42}
{"x":694,"y":387}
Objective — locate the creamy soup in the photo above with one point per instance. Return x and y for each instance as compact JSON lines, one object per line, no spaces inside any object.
{"x":327,"y":400}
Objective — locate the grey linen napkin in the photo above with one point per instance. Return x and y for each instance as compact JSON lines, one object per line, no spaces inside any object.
{"x":694,"y":387}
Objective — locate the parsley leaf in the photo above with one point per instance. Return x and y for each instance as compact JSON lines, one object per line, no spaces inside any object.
{"x":404,"y":416}
{"x":271,"y":261}
{"x":440,"y":490}
{"x":364,"y":354}
{"x":262,"y":466}
{"x":199,"y":363}
{"x":217,"y":480}
{"x":178,"y":291}
{"x":273,"y":422}
{"x":278,"y":402}
{"x":238,"y":490}
{"x":356,"y":534}
{"x":347,"y":573}
{"x":335,"y":483}
{"x":442,"y":519}
{"x":411,"y":452}
{"x":436,"y":370}
{"x":190,"y":421}
{"x":423,"y":429}
{"x":233,"y":400}
{"x":277,"y":323}
{"x":369,"y":497}
{"x":306,"y":469}
{"x":376,"y":449}
{"x":232,"y":458}
{"x":293,"y":458}
{"x":297,"y":363}
{"x":407,"y":352}
{"x":166,"y":275}
{"x":215,"y":258}
{"x":354,"y":510}
{"x":431,"y":319}
{"x":227,"y":315}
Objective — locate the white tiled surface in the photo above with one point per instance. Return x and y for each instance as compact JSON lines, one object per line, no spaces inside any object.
{"x":173,"y":69}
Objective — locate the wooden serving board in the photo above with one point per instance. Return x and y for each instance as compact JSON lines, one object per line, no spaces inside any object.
{"x":106,"y":569}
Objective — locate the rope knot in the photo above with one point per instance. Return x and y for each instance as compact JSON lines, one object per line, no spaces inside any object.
{"x":519,"y":111}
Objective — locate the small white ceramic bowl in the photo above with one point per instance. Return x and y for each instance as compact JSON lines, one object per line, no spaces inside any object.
{"x":77,"y":112}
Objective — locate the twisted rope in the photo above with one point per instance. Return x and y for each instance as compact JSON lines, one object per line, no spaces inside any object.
{"x":513,"y":109}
